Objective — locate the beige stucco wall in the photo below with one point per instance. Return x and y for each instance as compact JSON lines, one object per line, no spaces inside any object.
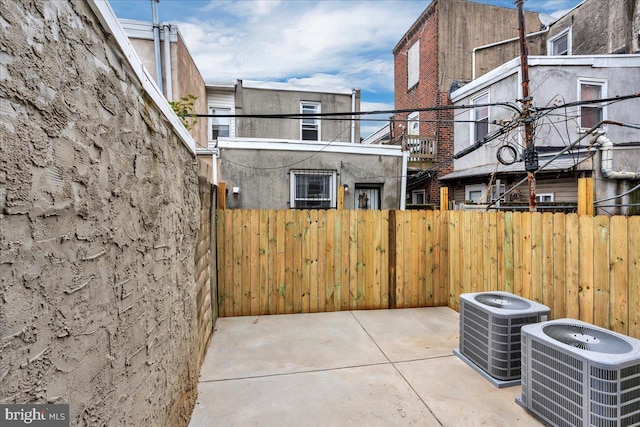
{"x":98,"y":214}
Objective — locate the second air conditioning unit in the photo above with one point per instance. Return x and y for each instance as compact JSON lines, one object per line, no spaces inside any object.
{"x":490,"y":325}
{"x":578,"y":374}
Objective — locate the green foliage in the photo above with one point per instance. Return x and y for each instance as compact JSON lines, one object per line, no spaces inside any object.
{"x":183,"y":108}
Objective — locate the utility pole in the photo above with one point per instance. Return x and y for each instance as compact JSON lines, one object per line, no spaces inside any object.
{"x":530,"y":154}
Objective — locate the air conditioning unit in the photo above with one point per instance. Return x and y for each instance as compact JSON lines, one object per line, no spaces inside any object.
{"x":577,"y":374}
{"x":490,"y":325}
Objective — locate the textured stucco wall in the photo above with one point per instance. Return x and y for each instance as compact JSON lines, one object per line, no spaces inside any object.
{"x":99,"y":214}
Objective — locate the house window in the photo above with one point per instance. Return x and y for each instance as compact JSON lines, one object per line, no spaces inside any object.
{"x":310,"y":126}
{"x":560,"y":44}
{"x":219,"y":125}
{"x":589,"y":90}
{"x":480,"y":125}
{"x":413,"y":123}
{"x":418,"y":197}
{"x":478,"y":193}
{"x":544,"y":198}
{"x":313,"y":189}
{"x":413,"y":65}
{"x":367,"y":197}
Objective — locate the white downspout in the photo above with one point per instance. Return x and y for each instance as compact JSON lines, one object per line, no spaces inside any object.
{"x":475,"y":49}
{"x":156,"y":42}
{"x":607,"y":162}
{"x":403,"y":185}
{"x":353,"y":117}
{"x":167,"y":61}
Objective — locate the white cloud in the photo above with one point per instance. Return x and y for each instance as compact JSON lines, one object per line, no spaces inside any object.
{"x":343,"y":42}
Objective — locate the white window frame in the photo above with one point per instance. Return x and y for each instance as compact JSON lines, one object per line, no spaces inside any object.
{"x":220,"y":121}
{"x":550,"y":198}
{"x":468,"y":189}
{"x":474,"y":118}
{"x":413,"y":123}
{"x":310,"y":122}
{"x":551,"y":43}
{"x":332,"y":187}
{"x":413,"y":65}
{"x":603,"y":94}
{"x":415,"y":194}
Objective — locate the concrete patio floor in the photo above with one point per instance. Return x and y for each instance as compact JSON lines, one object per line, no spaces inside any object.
{"x":351,"y":368}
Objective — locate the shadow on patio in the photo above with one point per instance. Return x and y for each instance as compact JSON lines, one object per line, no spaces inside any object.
{"x":378,"y":367}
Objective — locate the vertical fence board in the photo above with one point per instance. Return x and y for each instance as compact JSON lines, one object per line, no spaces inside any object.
{"x":572,"y":266}
{"x":361,"y":243}
{"x":518,"y":280}
{"x":559,"y":261}
{"x":486,"y":267}
{"x":526,"y":257}
{"x":272,"y":264}
{"x":384,"y":259}
{"x":440,"y":273}
{"x":547,"y":259}
{"x":456,"y":254}
{"x":500,"y":252}
{"x":281,"y":281}
{"x":254,"y":273}
{"x":289,"y":267}
{"x":376,"y":288}
{"x":312,"y":263}
{"x":297,"y":260}
{"x":400,"y":258}
{"x":329,"y":288}
{"x":369,"y":251}
{"x":346,"y":260}
{"x":321,"y":260}
{"x":468,"y":257}
{"x":492,"y":250}
{"x":353,"y":259}
{"x":618,"y":282}
{"x":407,"y":269}
{"x":263,"y":268}
{"x":416,"y":242}
{"x":585,"y":272}
{"x":634,"y":273}
{"x":601,"y":287}
{"x":509,"y":266}
{"x":537,"y":257}
{"x":427,"y":261}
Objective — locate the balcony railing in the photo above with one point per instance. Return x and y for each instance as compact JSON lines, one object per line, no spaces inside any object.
{"x":420,"y":148}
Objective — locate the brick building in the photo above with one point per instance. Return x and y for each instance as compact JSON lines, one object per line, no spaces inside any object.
{"x":436,"y":53}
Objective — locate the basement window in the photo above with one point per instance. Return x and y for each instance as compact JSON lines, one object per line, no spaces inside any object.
{"x":313,"y":189}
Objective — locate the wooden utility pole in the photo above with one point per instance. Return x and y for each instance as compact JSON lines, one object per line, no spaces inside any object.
{"x":530,"y":154}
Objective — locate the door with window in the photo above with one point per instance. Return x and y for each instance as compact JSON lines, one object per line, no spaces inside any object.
{"x":367,"y":197}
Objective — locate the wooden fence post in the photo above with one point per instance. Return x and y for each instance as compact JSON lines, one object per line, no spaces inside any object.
{"x":444,"y":198}
{"x":585,"y":196}
{"x":222,"y":195}
{"x":340,"y":198}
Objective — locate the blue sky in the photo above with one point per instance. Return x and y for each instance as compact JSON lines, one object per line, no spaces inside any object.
{"x":339,"y":43}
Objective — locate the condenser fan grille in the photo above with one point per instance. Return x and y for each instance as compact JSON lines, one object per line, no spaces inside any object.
{"x":502,"y":301}
{"x":586,"y":338}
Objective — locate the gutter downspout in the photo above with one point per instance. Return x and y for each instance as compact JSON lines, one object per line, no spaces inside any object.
{"x":607,"y":162}
{"x":167,"y":61}
{"x":513,"y":39}
{"x":156,"y":42}
{"x":353,"y":117}
{"x":403,"y":184}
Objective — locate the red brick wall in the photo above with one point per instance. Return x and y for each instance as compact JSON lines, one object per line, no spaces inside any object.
{"x":425,"y":94}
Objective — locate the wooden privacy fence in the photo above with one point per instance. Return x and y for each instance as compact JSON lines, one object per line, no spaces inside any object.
{"x":299,"y":261}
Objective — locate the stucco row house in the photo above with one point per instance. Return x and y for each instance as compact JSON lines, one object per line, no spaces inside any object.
{"x":267,"y":143}
{"x":451,"y":57}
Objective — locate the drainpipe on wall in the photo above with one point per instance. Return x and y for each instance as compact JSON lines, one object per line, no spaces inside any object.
{"x":167,"y":61}
{"x":607,"y":162}
{"x":353,"y":117}
{"x":156,"y":42}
